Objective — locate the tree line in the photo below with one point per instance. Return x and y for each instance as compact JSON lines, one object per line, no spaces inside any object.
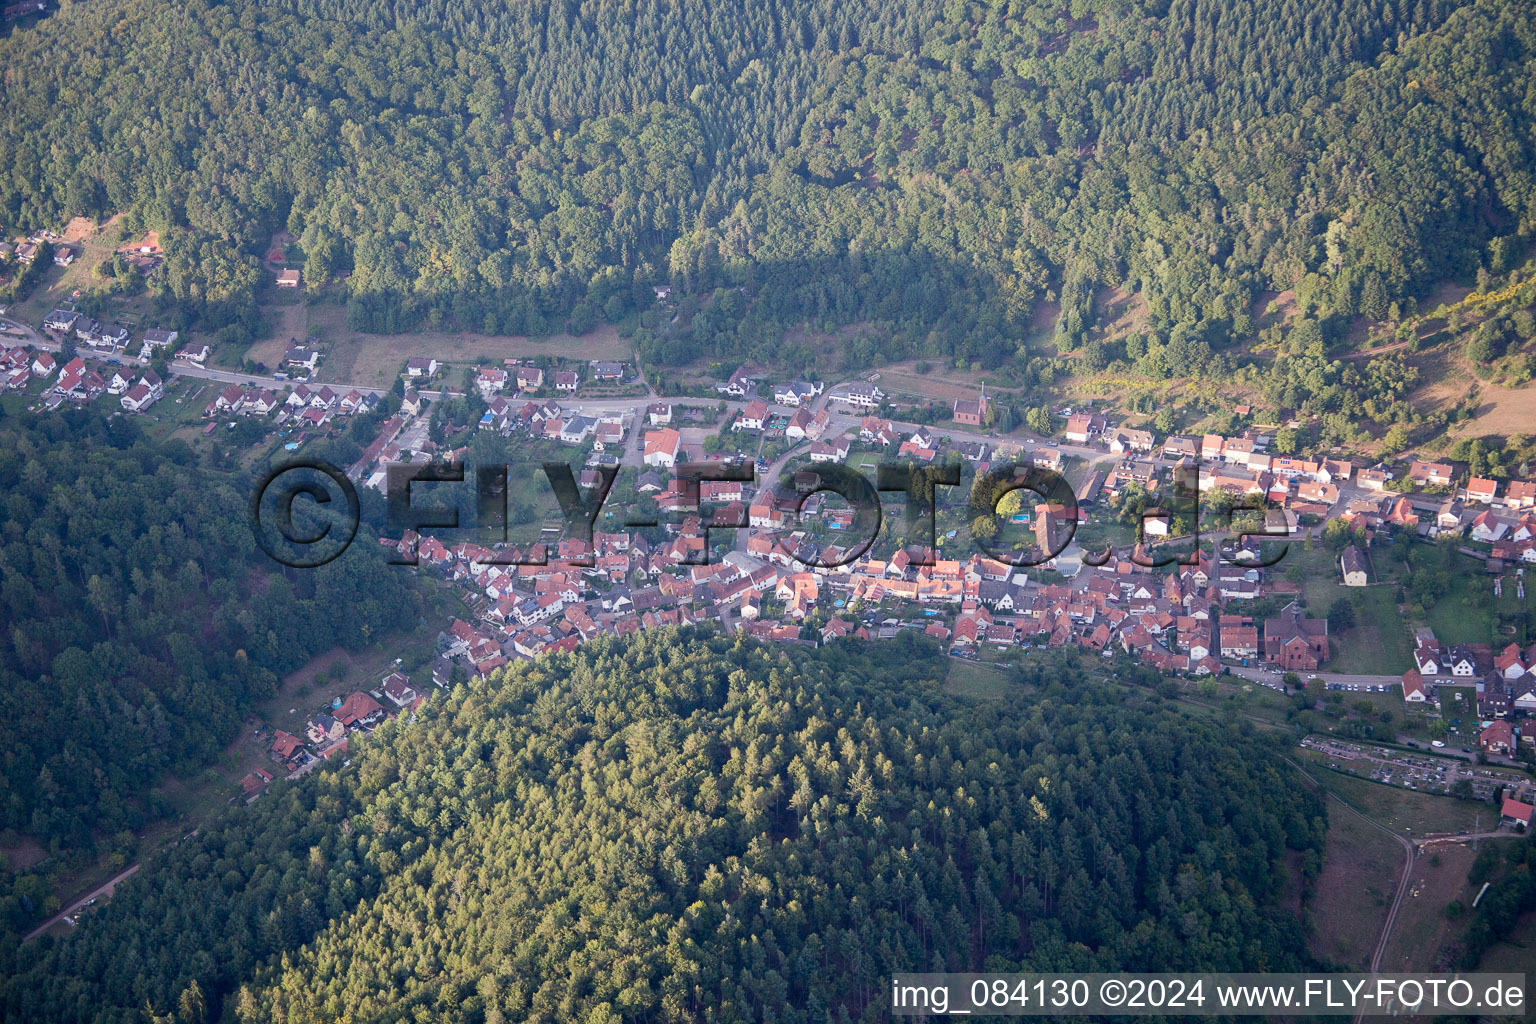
{"x":684,"y":826}
{"x":945,"y":173}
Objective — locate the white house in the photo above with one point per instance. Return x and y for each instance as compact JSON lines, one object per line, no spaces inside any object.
{"x":752,"y":417}
{"x":865,"y":396}
{"x":138,"y":398}
{"x":795,"y":392}
{"x":1352,"y":564}
{"x":662,"y":446}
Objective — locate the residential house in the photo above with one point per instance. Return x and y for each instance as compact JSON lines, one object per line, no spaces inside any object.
{"x":419,"y":366}
{"x":1180,"y":448}
{"x":1497,"y":738}
{"x":1430,"y":474}
{"x":1373,"y":479}
{"x":752,"y":417}
{"x":489,"y":380}
{"x":1083,"y":427}
{"x":138,"y":398}
{"x":796,"y":392}
{"x":325,"y":730}
{"x":1047,"y":458}
{"x":1489,"y":527}
{"x":285,"y":746}
{"x":1352,"y":565}
{"x":1481,"y":489}
{"x":799,"y":426}
{"x":1516,"y":813}
{"x":61,"y":320}
{"x":1123,"y":439}
{"x":1520,"y":494}
{"x":255,"y":782}
{"x":865,"y":396}
{"x":119,"y":380}
{"x":359,"y":711}
{"x":299,"y":357}
{"x":662,"y":447}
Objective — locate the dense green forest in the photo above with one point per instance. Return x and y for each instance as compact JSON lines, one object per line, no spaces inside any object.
{"x":937,"y":169}
{"x":684,"y":827}
{"x":139,"y":621}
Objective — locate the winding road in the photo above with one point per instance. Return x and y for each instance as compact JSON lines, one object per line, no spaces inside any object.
{"x":1409,"y":852}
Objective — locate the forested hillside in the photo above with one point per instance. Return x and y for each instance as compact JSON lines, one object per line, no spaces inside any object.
{"x":139,"y":621}
{"x":681,"y":827}
{"x":940,"y":169}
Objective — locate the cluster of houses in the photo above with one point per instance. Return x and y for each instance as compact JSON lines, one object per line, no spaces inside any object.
{"x":1504,"y":683}
{"x":546,"y":419}
{"x":77,"y":381}
{"x":1502,"y":514}
{"x":1185,"y":621}
{"x":310,"y":407}
{"x":521,"y":376}
{"x":326,"y":734}
{"x":112,"y":339}
{"x":19,"y":365}
{"x":797,"y":394}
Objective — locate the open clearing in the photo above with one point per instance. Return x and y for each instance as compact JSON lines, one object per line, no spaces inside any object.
{"x":902,"y":381}
{"x":1378,"y":642}
{"x":375,"y":360}
{"x":1402,"y":810}
{"x":1351,"y":896}
{"x":1421,"y":930}
{"x":1517,"y":952}
{"x":983,"y":682}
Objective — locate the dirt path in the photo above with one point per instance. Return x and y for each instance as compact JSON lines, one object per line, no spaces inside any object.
{"x":1402,"y":885}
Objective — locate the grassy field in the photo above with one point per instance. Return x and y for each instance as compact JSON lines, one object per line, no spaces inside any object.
{"x":375,"y":360}
{"x":1378,"y":643}
{"x":1401,"y":810}
{"x":1421,"y":933}
{"x":1467,"y":611}
{"x":983,"y":682}
{"x":1350,"y":897}
{"x":1516,"y":953}
{"x":93,"y":245}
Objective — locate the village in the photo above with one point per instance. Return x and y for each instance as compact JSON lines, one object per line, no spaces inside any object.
{"x":777,"y":562}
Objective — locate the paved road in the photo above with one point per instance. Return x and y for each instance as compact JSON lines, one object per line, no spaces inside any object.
{"x":1260,"y":674}
{"x":32,"y":338}
{"x":74,"y":908}
{"x":839,"y":421}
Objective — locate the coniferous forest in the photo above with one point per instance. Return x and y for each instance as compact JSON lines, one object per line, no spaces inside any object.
{"x":940,"y":169}
{"x":683,"y":827}
{"x":139,"y":622}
